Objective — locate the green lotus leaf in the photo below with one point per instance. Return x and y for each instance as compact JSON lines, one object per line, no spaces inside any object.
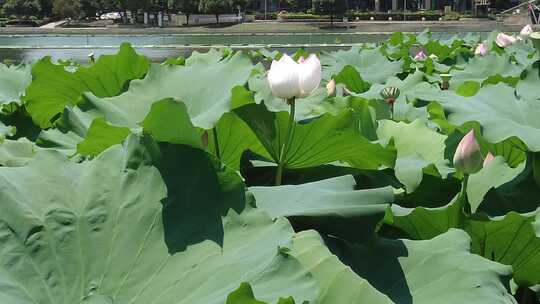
{"x":496,"y":174}
{"x":338,"y":282}
{"x":234,"y":137}
{"x":524,"y":53}
{"x":332,"y":205}
{"x":206,"y":94}
{"x":14,"y":153}
{"x":417,"y":147}
{"x":371,"y":64}
{"x":527,"y":88}
{"x":54,"y":87}
{"x":487,"y":69}
{"x":244,"y":295}
{"x":501,"y":114}
{"x":317,"y":142}
{"x":441,"y":270}
{"x":13,"y":82}
{"x":119,"y":230}
{"x":508,"y":239}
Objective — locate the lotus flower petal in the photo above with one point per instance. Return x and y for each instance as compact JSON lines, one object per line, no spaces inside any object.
{"x":526,"y":31}
{"x":331,"y":87}
{"x":504,"y":40}
{"x":488,"y":160}
{"x":420,"y":56}
{"x":309,"y":71}
{"x":482,"y":49}
{"x":283,"y":78}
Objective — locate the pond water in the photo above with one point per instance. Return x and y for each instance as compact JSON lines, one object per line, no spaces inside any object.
{"x":158,"y":47}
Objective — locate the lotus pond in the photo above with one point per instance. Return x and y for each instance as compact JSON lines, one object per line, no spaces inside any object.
{"x":125,"y":181}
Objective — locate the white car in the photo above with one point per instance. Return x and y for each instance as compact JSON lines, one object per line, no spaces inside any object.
{"x":111,"y":16}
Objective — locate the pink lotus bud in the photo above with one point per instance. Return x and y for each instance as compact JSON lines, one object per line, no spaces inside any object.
{"x":331,"y":87}
{"x":482,"y":49}
{"x":488,"y":160}
{"x":526,"y":31}
{"x":468,"y":158}
{"x":420,"y":56}
{"x":504,"y":40}
{"x":288,"y":79}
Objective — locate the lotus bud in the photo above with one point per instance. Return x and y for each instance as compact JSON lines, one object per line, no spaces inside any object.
{"x":535,"y":37}
{"x":390,"y":94}
{"x":488,"y":160}
{"x":420,"y":56}
{"x":331,"y":87}
{"x":289,"y":79}
{"x":468,"y":158}
{"x":445,"y":84}
{"x":482,"y":49}
{"x":504,"y":40}
{"x":526,"y":31}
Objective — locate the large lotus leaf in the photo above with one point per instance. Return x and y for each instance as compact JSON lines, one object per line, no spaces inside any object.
{"x":508,"y":239}
{"x":496,"y":174}
{"x":481,"y":68}
{"x":337,"y":282}
{"x":54,"y":87}
{"x":317,"y":142}
{"x":372,"y":65}
{"x":13,"y":82}
{"x":524,"y":53}
{"x":527,"y":87}
{"x":417,"y":147}
{"x":332,"y":205}
{"x":6,"y":131}
{"x":202,"y":87}
{"x":234,"y":137}
{"x":101,"y":136}
{"x":501,"y":114}
{"x":441,"y":270}
{"x":244,"y":295}
{"x":14,"y":153}
{"x":96,"y":232}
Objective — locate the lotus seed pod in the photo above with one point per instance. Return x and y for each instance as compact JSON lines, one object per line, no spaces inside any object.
{"x":390,"y":94}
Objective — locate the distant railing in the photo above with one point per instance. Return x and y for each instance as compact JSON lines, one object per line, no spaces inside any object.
{"x":513,"y":10}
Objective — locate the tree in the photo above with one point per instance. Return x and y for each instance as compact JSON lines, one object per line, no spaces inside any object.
{"x":22,"y":7}
{"x":67,"y":8}
{"x":332,"y":7}
{"x":187,"y":7}
{"x":215,"y":7}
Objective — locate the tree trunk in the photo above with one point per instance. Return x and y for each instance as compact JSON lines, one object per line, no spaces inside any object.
{"x":217,"y":18}
{"x":187,"y":19}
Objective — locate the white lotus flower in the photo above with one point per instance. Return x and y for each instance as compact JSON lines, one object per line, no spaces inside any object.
{"x":504,"y":40}
{"x":288,"y":79}
{"x":526,"y":31}
{"x":482,"y":49}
